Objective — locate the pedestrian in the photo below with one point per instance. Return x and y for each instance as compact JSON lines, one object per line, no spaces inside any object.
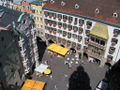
{"x":65,"y":62}
{"x":46,"y":62}
{"x":69,"y":65}
{"x":55,"y":87}
{"x":65,"y":75}
{"x":51,"y":76}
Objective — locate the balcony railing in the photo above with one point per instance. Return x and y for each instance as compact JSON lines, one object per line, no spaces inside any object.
{"x":95,"y":55}
{"x":96,"y":45}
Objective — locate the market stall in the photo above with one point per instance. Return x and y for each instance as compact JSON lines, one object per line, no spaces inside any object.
{"x":58,"y":49}
{"x":33,"y":85}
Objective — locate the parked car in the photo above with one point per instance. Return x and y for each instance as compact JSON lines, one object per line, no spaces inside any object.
{"x":102,"y":85}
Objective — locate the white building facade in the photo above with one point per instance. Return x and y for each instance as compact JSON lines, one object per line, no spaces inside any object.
{"x":75,"y":31}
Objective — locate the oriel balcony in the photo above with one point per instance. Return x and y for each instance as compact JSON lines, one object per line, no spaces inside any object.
{"x":95,"y":55}
{"x":96,"y":45}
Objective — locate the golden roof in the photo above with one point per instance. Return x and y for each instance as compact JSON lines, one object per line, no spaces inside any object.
{"x":100,"y":30}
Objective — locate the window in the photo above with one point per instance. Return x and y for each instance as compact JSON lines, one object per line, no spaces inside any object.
{"x":87,"y":32}
{"x":75,"y":19}
{"x":102,"y":42}
{"x":97,"y":40}
{"x":111,"y":50}
{"x":2,"y":38}
{"x":114,"y":40}
{"x":64,"y":17}
{"x":46,"y":13}
{"x":59,"y":16}
{"x":40,"y":12}
{"x":41,"y":19}
{"x":63,"y":3}
{"x":96,"y":10}
{"x":89,"y":23}
{"x":115,"y":15}
{"x":41,"y":26}
{"x":52,"y":1}
{"x":76,"y":6}
{"x":80,"y":30}
{"x":75,"y":28}
{"x":69,"y":35}
{"x":64,"y":33}
{"x":92,"y":38}
{"x":70,"y":18}
{"x":37,"y":18}
{"x":24,"y":21}
{"x":64,"y":26}
{"x":59,"y":31}
{"x":81,"y":22}
{"x":116,"y":31}
{"x":109,"y":57}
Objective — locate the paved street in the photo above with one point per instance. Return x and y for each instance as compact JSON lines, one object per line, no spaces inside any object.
{"x":59,"y":79}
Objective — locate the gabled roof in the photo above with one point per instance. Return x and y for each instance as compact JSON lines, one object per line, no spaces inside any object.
{"x":9,"y":16}
{"x":100,"y":30}
{"x":88,"y":8}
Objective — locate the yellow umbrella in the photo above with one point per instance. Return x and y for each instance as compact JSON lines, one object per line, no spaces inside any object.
{"x":47,"y":71}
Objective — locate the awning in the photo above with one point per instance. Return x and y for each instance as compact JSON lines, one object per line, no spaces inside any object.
{"x":58,"y":49}
{"x":100,"y":30}
{"x":41,"y":68}
{"x":33,"y":85}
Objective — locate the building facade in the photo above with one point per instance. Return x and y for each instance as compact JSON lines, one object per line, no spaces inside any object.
{"x":7,"y":3}
{"x":91,"y":31}
{"x":25,"y":6}
{"x":23,"y":27}
{"x":17,"y":6}
{"x":12,"y":70}
{"x":37,"y":12}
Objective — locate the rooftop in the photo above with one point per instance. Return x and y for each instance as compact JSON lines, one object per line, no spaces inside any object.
{"x":100,"y":31}
{"x":102,"y":10}
{"x":37,"y":2}
{"x":8,"y":17}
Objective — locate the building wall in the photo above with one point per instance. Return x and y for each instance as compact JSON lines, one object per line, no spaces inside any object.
{"x":10,"y":60}
{"x":84,"y":35}
{"x":25,"y":7}
{"x":17,"y":7}
{"x":27,"y":44}
{"x":38,"y":18}
{"x":6,"y":3}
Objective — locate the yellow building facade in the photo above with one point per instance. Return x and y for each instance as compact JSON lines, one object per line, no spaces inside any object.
{"x":17,"y":7}
{"x":38,"y":14}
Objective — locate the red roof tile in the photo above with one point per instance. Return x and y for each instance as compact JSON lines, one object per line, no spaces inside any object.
{"x":88,"y":7}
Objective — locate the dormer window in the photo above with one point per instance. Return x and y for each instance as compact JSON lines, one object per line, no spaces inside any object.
{"x":63,"y":3}
{"x":97,"y":11}
{"x":52,"y":1}
{"x":76,"y":6}
{"x":115,"y":15}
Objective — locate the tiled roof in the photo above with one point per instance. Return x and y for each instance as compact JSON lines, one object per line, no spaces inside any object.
{"x":88,"y":8}
{"x":100,"y":30}
{"x":9,"y":16}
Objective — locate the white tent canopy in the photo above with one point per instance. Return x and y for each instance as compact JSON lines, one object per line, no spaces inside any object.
{"x":41,"y":68}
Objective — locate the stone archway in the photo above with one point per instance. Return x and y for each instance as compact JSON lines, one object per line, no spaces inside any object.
{"x":107,"y":64}
{"x":62,"y":45}
{"x":85,"y":55}
{"x":50,"y":41}
{"x":73,"y":50}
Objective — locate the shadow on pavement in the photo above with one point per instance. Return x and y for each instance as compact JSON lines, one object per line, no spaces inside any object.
{"x":79,"y":80}
{"x":113,"y":77}
{"x":41,"y":48}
